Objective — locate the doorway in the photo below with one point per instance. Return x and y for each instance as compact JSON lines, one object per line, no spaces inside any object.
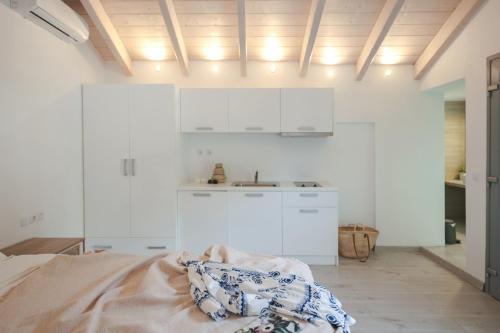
{"x":453,"y":251}
{"x":493,"y":226}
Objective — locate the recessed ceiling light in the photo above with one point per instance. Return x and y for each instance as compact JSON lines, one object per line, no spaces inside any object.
{"x":272,"y":51}
{"x":331,"y":56}
{"x":272,"y":68}
{"x":215,"y":68}
{"x":388,"y":72}
{"x":213,"y":52}
{"x":157,"y":67}
{"x":330,"y":72}
{"x":155,"y":53}
{"x":389,"y":56}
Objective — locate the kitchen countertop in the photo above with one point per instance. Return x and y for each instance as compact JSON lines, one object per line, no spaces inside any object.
{"x":287,"y":186}
{"x":454,"y":183}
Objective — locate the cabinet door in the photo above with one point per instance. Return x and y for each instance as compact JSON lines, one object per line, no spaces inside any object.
{"x":204,"y":110}
{"x":106,"y":150}
{"x":202,"y":220}
{"x":152,"y":153}
{"x":310,"y":231}
{"x":254,"y":110}
{"x":255,"y":222}
{"x":306,"y":110}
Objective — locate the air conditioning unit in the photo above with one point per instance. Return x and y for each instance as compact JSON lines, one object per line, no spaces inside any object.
{"x":54,"y":16}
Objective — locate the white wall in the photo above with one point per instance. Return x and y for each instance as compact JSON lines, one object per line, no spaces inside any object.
{"x":466,"y":59}
{"x":40,"y":129}
{"x":409,"y":135}
{"x":347,"y":160}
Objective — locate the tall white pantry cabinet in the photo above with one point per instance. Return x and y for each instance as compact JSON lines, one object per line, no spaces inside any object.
{"x":129,"y":167}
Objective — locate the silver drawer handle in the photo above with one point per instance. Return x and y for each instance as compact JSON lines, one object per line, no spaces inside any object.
{"x":308,"y":195}
{"x":254,"y":128}
{"x":102,"y":247}
{"x":308,"y":211}
{"x":306,"y":128}
{"x":204,"y":128}
{"x":157,"y":247}
{"x":254,"y":195}
{"x":201,"y":194}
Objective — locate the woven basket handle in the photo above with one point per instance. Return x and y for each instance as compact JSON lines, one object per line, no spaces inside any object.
{"x":356,"y":250}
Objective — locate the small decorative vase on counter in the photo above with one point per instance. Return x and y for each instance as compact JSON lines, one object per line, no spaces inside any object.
{"x":462,"y":176}
{"x":219,"y":173}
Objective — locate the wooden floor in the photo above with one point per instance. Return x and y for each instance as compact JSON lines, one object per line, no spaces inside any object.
{"x":400,"y":290}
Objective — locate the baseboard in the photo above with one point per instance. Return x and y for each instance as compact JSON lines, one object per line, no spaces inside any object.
{"x":454,"y":269}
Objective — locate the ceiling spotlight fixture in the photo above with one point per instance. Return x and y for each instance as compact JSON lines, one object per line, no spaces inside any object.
{"x":157,"y":67}
{"x":388,"y":72}
{"x":272,"y":68}
{"x":330,"y":72}
{"x":214,"y":52}
{"x":272,"y":51}
{"x":389,"y":57}
{"x":331,"y":56}
{"x":215,"y":68}
{"x":155,"y":53}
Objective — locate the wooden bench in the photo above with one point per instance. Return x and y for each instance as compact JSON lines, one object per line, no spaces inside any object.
{"x":71,"y":246}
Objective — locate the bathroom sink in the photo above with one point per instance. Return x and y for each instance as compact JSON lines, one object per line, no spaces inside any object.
{"x":259,"y":184}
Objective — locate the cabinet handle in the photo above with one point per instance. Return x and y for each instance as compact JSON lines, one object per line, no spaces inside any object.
{"x":125,"y":167}
{"x":253,"y":128}
{"x":308,"y":211}
{"x":102,"y":247}
{"x":157,"y":247}
{"x":201,"y":194}
{"x":306,"y":128}
{"x":254,"y":195}
{"x":132,"y":166}
{"x":309,"y":195}
{"x":204,"y":128}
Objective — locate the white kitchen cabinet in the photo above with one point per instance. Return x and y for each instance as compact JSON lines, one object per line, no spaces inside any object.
{"x":129,"y":159}
{"x":153,"y":183}
{"x":310,"y":231}
{"x":204,"y":110}
{"x":254,"y":110}
{"x":142,"y":246}
{"x":306,"y":110}
{"x":255,"y":222}
{"x":202,"y":219}
{"x":106,"y":158}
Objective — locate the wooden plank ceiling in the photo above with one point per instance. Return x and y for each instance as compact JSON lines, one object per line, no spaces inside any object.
{"x":275,"y":29}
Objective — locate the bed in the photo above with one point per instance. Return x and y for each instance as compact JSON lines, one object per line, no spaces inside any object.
{"x":106,"y":292}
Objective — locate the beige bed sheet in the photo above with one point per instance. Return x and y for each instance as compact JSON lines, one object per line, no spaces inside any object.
{"x":124,"y":293}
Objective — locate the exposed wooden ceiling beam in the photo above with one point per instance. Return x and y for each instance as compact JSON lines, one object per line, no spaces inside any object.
{"x":243,"y":36}
{"x":174,"y":31}
{"x":313,"y":21}
{"x":108,"y":33}
{"x":382,"y":26}
{"x":446,"y":35}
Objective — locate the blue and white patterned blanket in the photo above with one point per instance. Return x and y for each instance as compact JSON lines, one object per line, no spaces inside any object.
{"x":220,"y":289}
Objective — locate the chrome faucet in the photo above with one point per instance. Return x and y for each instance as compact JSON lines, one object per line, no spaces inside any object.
{"x":256,"y":178}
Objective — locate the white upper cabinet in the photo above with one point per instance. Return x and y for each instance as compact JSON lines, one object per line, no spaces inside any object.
{"x":306,"y":110}
{"x":204,"y":110}
{"x":254,"y":110}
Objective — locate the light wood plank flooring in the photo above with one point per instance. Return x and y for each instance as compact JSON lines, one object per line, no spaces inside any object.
{"x":400,"y":290}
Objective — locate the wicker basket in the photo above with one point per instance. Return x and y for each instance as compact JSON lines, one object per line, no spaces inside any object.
{"x":357,"y":241}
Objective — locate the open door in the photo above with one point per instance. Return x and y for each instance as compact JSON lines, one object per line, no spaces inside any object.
{"x":493,"y":234}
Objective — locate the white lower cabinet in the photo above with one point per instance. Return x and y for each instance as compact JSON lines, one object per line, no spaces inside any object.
{"x":299,"y":224}
{"x":203,"y":219}
{"x":255,"y":222}
{"x":141,"y":246}
{"x":310,"y":231}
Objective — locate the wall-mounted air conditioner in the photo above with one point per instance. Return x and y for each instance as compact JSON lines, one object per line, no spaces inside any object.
{"x":54,"y":16}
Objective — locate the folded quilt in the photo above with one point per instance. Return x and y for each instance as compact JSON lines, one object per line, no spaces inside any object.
{"x":220,"y":289}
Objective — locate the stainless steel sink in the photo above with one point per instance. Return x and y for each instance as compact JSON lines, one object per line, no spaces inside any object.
{"x":253,"y":184}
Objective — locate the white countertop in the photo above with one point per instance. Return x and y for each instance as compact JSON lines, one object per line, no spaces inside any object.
{"x":287,"y":186}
